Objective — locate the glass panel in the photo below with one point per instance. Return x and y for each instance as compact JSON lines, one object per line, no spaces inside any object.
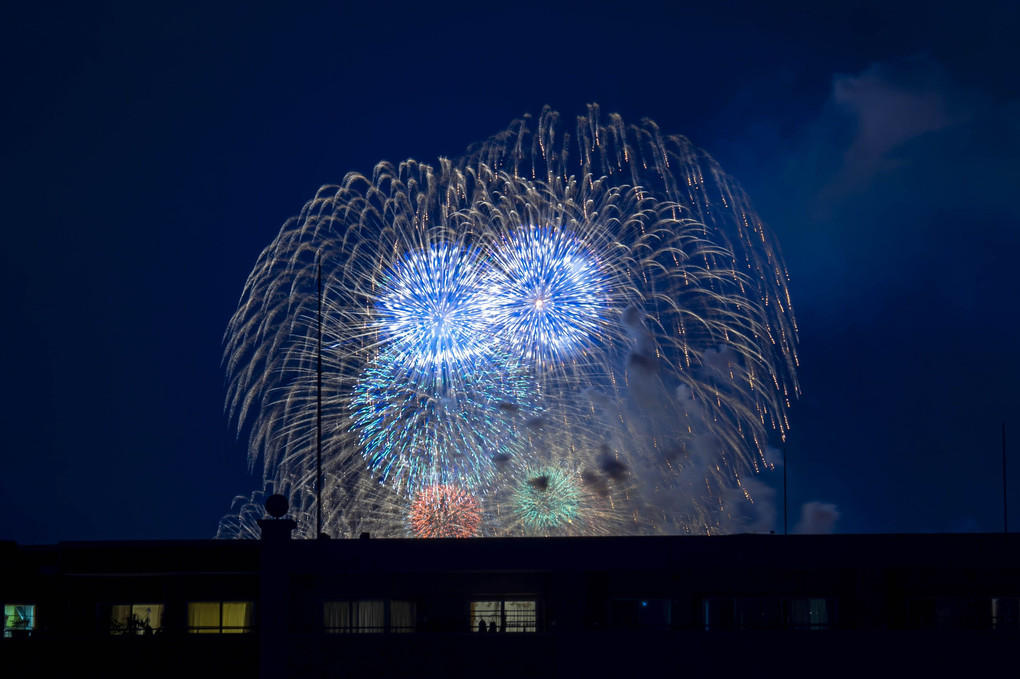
{"x":1005,"y":612}
{"x":370,"y":616}
{"x":204,"y":617}
{"x":486,"y":616}
{"x":520,"y":616}
{"x":19,"y":619}
{"x":237,"y":616}
{"x":337,"y":616}
{"x":119,"y":619}
{"x":808,"y":614}
{"x":147,"y":618}
{"x":752,"y":614}
{"x":402,"y":616}
{"x":718,"y":614}
{"x":654,"y":613}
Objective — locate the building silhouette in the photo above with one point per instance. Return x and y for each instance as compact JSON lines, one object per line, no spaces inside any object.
{"x":830,"y":605}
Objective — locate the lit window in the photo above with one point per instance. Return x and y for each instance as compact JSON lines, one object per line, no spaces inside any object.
{"x":220,"y":617}
{"x":503,"y":616}
{"x":352,"y":617}
{"x":19,"y":619}
{"x":132,"y":618}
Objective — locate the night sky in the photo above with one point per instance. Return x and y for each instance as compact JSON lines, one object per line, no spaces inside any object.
{"x":151,"y":150}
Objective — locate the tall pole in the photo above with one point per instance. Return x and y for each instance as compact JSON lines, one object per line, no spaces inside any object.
{"x":785,"y":465}
{"x":318,"y":419}
{"x":1005,"y":515}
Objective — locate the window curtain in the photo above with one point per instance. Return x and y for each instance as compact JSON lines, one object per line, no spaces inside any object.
{"x":149,"y":615}
{"x":337,"y":616}
{"x":809,"y":613}
{"x":204,"y":617}
{"x":120,"y":617}
{"x":237,"y":616}
{"x":402,"y":616}
{"x":371,"y":616}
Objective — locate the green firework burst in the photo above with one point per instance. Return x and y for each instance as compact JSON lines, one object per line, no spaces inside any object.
{"x":547,"y":498}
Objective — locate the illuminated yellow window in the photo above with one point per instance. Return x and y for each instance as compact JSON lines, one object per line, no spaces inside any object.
{"x":133,"y":618}
{"x":220,"y":617}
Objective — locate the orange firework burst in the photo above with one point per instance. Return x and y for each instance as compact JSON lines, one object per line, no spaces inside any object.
{"x":445,"y":511}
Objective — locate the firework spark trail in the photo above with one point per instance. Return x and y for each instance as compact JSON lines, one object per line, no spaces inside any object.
{"x":604,"y":301}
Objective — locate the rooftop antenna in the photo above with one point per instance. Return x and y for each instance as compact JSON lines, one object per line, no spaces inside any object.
{"x":318,"y":415}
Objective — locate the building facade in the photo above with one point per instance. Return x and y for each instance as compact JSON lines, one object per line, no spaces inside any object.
{"x":838,"y":605}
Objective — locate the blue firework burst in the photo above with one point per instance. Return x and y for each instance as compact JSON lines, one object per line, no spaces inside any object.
{"x":431,"y":308}
{"x":550,"y":298}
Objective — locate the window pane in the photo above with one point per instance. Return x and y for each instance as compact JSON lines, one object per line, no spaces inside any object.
{"x":486,"y":616}
{"x":654,"y":613}
{"x":1005,"y":612}
{"x":204,"y":617}
{"x":237,"y":616}
{"x":520,"y":616}
{"x":337,"y":616}
{"x":808,"y":614}
{"x":119,"y":619}
{"x":371,"y":616}
{"x":18,"y":619}
{"x":147,"y":618}
{"x":718,"y":614}
{"x":751,"y":614}
{"x":402,"y":616}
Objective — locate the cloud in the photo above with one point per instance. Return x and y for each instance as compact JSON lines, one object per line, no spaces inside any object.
{"x":866,"y":193}
{"x":817,"y":517}
{"x":891,"y":105}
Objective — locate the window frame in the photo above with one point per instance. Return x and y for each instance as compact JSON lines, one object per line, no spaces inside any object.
{"x":221,"y":628}
{"x":387,"y":627}
{"x":12,"y":631}
{"x":829,"y":606}
{"x":135,"y":625}
{"x":738,"y":613}
{"x":505,"y":625}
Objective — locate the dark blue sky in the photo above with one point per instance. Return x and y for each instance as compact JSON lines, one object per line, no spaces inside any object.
{"x":151,"y":150}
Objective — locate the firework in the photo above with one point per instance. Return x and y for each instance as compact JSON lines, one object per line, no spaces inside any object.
{"x":439,"y":424}
{"x":547,"y":499}
{"x":549,"y":298}
{"x":445,"y":511}
{"x":431,"y":309}
{"x":601,"y":304}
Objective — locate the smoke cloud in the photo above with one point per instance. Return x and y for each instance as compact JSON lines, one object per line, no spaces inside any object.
{"x":817,"y":518}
